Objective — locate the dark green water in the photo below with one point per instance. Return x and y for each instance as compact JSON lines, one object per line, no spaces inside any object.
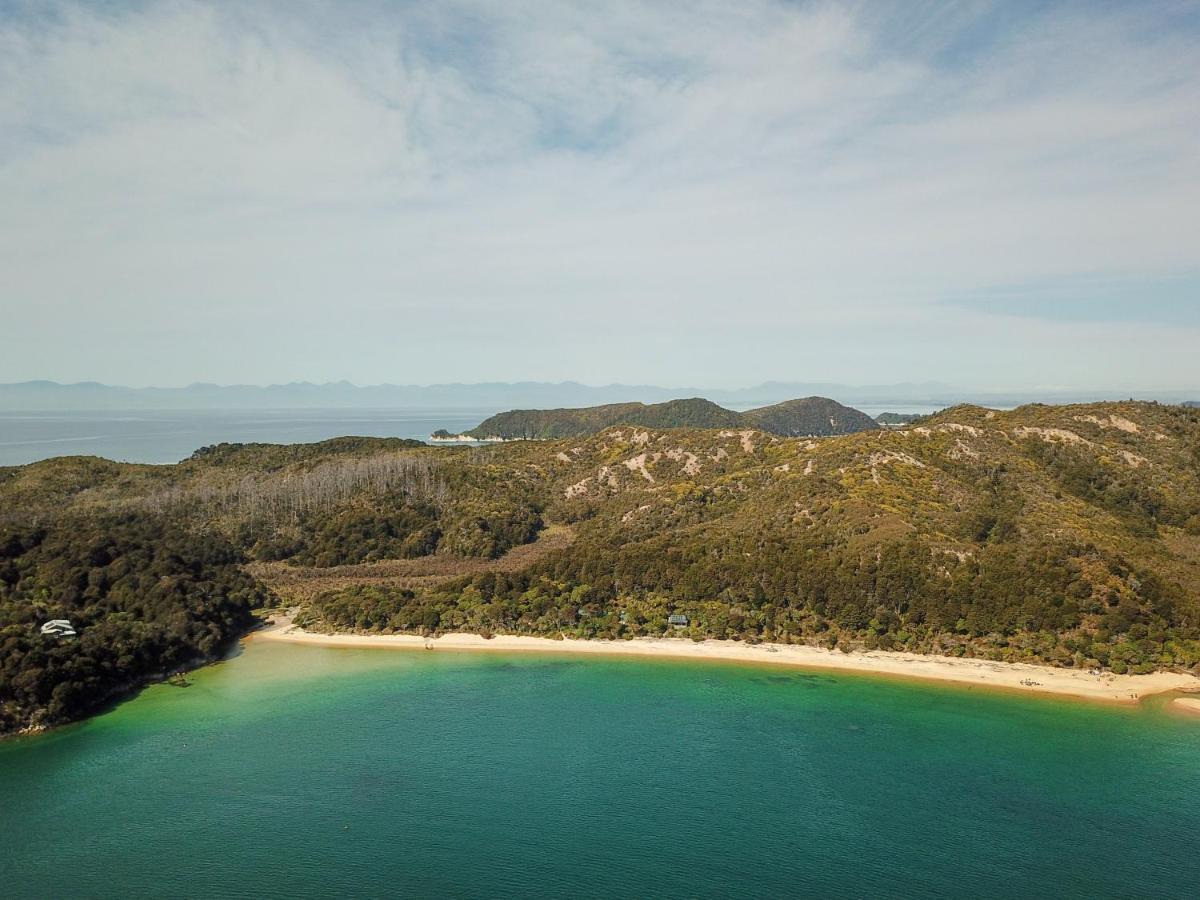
{"x":305,"y":772}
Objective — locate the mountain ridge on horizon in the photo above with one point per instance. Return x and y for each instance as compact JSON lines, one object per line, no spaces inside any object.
{"x":48,"y":395}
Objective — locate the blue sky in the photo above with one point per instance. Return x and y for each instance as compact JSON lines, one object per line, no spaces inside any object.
{"x":993,"y":195}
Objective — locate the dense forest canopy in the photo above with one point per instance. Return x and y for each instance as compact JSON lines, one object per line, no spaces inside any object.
{"x":1068,"y":535}
{"x":145,"y":596}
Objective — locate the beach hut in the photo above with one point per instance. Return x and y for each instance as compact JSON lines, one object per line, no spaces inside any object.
{"x":677,"y":620}
{"x":58,"y":628}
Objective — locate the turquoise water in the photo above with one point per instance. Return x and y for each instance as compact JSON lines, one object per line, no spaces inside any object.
{"x":306,"y":771}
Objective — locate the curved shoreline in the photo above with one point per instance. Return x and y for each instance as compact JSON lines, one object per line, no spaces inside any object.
{"x":1189,"y":706}
{"x":1022,"y":677}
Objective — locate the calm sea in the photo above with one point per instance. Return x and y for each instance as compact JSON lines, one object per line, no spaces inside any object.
{"x":167,"y":437}
{"x":314,"y":772}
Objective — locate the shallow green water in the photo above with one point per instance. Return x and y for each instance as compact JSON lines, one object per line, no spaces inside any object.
{"x":304,"y":771}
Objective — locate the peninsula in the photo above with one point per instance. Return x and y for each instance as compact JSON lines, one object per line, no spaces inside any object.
{"x":1065,"y":537}
{"x":806,"y":417}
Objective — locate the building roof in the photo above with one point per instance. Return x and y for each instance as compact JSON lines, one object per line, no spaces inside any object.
{"x":58,"y":626}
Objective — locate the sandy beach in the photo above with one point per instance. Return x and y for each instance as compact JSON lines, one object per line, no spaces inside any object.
{"x":1189,"y":705}
{"x":1106,"y":687}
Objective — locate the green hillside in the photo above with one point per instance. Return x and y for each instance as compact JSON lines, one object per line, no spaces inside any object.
{"x":808,"y":417}
{"x":1068,"y":535}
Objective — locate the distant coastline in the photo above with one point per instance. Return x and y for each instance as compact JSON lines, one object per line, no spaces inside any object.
{"x":1020,"y":677}
{"x":441,"y":436}
{"x":43,"y":395}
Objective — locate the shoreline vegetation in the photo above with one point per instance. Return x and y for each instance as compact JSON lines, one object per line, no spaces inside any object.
{"x":1104,"y":687}
{"x":1064,"y":537}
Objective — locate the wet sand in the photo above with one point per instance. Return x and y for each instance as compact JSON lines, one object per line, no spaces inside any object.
{"x":1105,"y":687}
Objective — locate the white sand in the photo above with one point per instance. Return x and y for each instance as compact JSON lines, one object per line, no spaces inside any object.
{"x":1012,"y":676}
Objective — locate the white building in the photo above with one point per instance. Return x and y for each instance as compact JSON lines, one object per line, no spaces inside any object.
{"x":59,"y":628}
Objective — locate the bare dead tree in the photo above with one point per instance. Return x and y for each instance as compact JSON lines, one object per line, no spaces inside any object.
{"x":287,"y":495}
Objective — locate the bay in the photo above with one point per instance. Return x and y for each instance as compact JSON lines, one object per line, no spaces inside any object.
{"x":307,"y":771}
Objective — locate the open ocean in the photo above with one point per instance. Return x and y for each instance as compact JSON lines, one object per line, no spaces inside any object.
{"x":167,"y":437}
{"x":312,"y":772}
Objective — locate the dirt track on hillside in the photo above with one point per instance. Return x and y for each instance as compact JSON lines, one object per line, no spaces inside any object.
{"x":301,"y":583}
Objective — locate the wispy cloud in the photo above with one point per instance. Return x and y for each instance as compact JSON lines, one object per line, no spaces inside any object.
{"x":702,"y":193}
{"x":1148,"y":299}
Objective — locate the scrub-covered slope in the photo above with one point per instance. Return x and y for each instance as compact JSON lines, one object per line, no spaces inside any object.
{"x":1068,"y":535}
{"x":810,"y":417}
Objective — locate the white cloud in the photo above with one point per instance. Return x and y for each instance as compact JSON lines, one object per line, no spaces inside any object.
{"x":717,"y":193}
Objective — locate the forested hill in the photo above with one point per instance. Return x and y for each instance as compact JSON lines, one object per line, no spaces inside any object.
{"x":547,"y":424}
{"x":1068,"y":535}
{"x":808,"y":417}
{"x":147,"y":597}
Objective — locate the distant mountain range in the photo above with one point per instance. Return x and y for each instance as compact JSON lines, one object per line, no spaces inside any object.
{"x":807,"y":417}
{"x":90,"y":395}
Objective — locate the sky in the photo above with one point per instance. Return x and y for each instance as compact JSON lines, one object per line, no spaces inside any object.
{"x":990,"y":195}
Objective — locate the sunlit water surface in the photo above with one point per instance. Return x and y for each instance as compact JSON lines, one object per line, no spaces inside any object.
{"x":308,"y":772}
